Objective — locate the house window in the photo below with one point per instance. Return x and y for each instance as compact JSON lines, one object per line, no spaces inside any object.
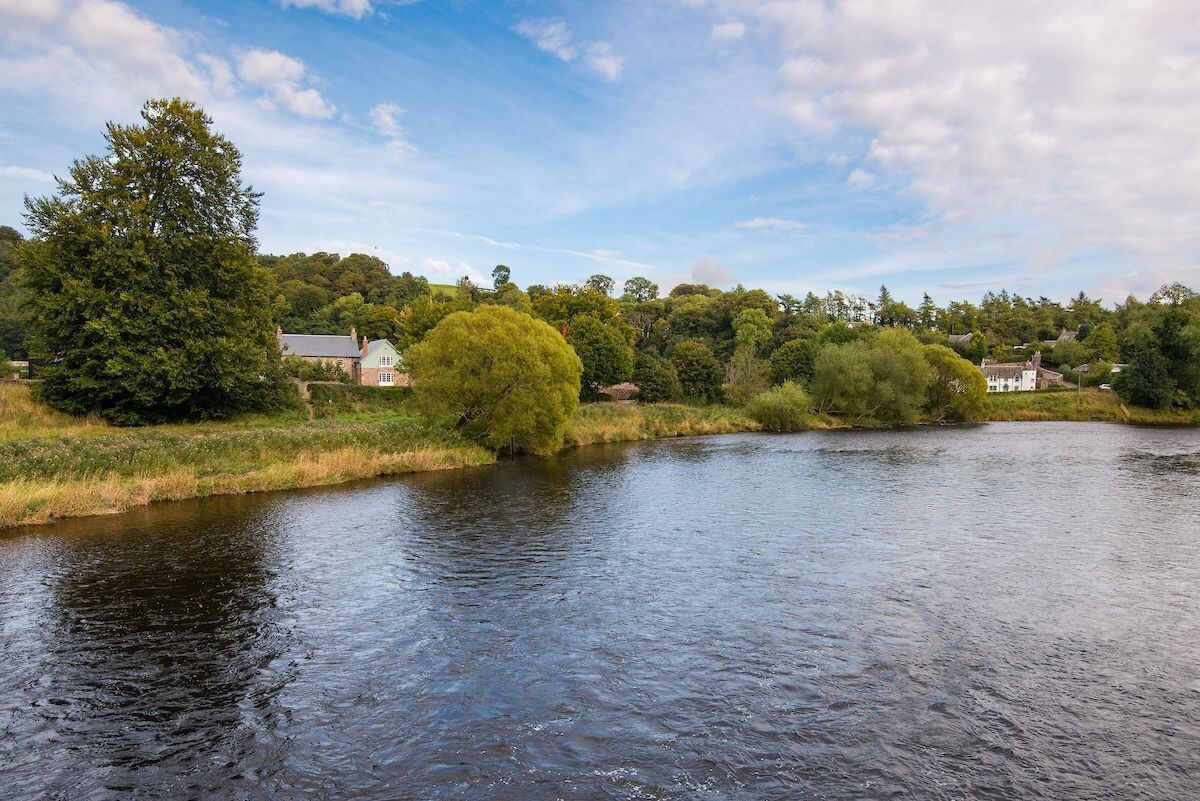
{"x":387,"y":379}
{"x":385,"y":361}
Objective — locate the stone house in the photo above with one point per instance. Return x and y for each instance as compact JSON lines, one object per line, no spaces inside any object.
{"x":370,"y":364}
{"x":379,"y":365}
{"x":1021,"y":376}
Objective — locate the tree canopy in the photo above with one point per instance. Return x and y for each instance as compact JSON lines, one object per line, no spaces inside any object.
{"x":504,"y":376}
{"x":145,"y":298}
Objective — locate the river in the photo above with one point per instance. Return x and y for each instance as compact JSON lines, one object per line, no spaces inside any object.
{"x":1009,"y":611}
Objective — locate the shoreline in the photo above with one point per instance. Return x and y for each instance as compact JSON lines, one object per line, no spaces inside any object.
{"x":79,"y":468}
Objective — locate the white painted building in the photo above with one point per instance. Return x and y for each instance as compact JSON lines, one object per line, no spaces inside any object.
{"x":1010,"y":377}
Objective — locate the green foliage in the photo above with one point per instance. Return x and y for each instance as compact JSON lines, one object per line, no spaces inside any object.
{"x":883,"y":379}
{"x":606,"y":354}
{"x":1101,"y":343}
{"x":783,"y":408}
{"x":501,"y":275}
{"x":13,"y":325}
{"x":308,"y":370}
{"x":751,"y":329}
{"x":745,"y":376}
{"x":505,"y":376}
{"x":656,"y":379}
{"x":640,"y":290}
{"x":958,"y":390}
{"x":600,"y":283}
{"x":793,"y":361}
{"x":146,"y":301}
{"x":700,"y":373}
{"x":977,"y":350}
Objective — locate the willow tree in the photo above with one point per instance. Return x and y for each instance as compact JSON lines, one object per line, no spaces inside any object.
{"x":146,"y":301}
{"x":505,"y":377}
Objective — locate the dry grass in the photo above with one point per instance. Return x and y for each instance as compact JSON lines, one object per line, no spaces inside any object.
{"x":28,"y":501}
{"x":1090,"y":405}
{"x":21,"y":416}
{"x":622,"y":422}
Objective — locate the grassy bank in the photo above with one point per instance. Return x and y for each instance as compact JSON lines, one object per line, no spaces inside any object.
{"x":54,"y":466}
{"x":1090,"y":405}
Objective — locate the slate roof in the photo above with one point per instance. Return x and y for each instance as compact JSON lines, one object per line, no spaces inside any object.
{"x":1005,"y":370}
{"x":328,"y":346}
{"x":375,"y":343}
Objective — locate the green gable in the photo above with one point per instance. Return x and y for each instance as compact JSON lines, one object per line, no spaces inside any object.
{"x":381,"y":353}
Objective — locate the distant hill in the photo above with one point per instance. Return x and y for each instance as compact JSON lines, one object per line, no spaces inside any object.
{"x":443,"y":290}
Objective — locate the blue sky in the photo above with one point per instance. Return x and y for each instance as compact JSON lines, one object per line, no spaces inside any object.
{"x":929,"y":145}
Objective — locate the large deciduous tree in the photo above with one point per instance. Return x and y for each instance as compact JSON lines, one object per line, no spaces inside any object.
{"x":147,"y":303}
{"x":958,"y":390}
{"x":504,"y":376}
{"x":606,"y":354}
{"x":700,"y":373}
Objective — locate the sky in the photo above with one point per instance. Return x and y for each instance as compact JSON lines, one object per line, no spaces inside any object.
{"x":930,"y":145}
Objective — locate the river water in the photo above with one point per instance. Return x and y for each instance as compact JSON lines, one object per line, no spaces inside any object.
{"x":1006,"y":611}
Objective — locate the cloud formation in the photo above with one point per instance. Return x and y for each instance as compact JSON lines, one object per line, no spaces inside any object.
{"x":728,"y":31}
{"x":708,"y":271}
{"x":350,"y":8}
{"x":774,"y":223}
{"x":281,"y":78}
{"x":1079,"y":117}
{"x":555,"y":38}
{"x":28,"y":173}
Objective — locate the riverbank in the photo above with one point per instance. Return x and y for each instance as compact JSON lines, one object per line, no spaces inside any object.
{"x":1090,"y":405}
{"x":54,"y":466}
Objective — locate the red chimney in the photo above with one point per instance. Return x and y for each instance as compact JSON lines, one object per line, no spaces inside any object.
{"x":364,"y":348}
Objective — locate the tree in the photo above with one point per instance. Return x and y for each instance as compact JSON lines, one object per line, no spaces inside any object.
{"x":1101,"y":343}
{"x":147,"y":303}
{"x":793,"y":361}
{"x":504,"y":376}
{"x":606,"y":355}
{"x":884,"y":378}
{"x":700,"y":373}
{"x":640,"y":290}
{"x":501,"y":275}
{"x":656,"y":379}
{"x":977,"y":350}
{"x":1174,"y":294}
{"x":745,"y":376}
{"x":600,"y":283}
{"x":958,"y":391}
{"x":751,"y":329}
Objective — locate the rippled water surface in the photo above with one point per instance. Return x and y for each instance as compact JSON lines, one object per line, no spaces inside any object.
{"x":1010,"y":611}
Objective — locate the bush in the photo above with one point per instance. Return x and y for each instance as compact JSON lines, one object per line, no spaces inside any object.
{"x":784,"y":408}
{"x":305,"y":370}
{"x":656,"y":379}
{"x":793,"y":361}
{"x":700,"y":373}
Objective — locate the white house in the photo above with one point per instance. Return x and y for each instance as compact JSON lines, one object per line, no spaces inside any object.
{"x":1020,"y":377}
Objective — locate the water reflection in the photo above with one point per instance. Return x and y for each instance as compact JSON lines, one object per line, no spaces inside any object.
{"x":997,"y":612}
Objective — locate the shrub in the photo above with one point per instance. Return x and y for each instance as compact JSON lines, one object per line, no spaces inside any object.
{"x":656,"y":379}
{"x":784,"y":408}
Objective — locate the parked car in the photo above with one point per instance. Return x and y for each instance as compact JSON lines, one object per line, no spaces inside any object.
{"x":1106,"y":386}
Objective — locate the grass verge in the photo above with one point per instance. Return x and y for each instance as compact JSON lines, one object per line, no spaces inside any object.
{"x":1090,"y":405}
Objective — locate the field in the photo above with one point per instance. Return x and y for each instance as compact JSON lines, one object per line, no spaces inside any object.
{"x":53,"y":465}
{"x":1094,"y":405}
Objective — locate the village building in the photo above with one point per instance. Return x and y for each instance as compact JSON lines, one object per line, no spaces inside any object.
{"x":369,"y":364}
{"x":1020,"y":376}
{"x":1063,"y":336}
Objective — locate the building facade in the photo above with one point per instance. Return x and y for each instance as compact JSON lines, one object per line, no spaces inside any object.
{"x":1020,"y":377}
{"x":369,"y":364}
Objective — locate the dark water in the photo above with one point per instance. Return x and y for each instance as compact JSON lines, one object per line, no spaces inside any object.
{"x":1010,"y":611}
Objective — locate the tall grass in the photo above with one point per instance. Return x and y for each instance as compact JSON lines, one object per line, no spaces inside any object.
{"x":621,"y":422}
{"x":1093,"y":405}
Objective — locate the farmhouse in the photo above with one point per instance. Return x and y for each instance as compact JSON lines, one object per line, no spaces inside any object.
{"x":370,"y":364}
{"x":1020,"y":377}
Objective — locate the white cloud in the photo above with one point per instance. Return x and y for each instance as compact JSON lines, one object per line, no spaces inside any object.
{"x":554,"y":37}
{"x":860,"y":179}
{"x":604,"y":253}
{"x":31,"y":12}
{"x":774,"y":223}
{"x":281,"y":78}
{"x":601,"y":58}
{"x":549,"y":36}
{"x":708,"y":271}
{"x":728,"y":31}
{"x":1079,"y":118}
{"x":350,"y":8}
{"x":385,"y":117}
{"x":26,"y":173}
{"x":439,"y":271}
